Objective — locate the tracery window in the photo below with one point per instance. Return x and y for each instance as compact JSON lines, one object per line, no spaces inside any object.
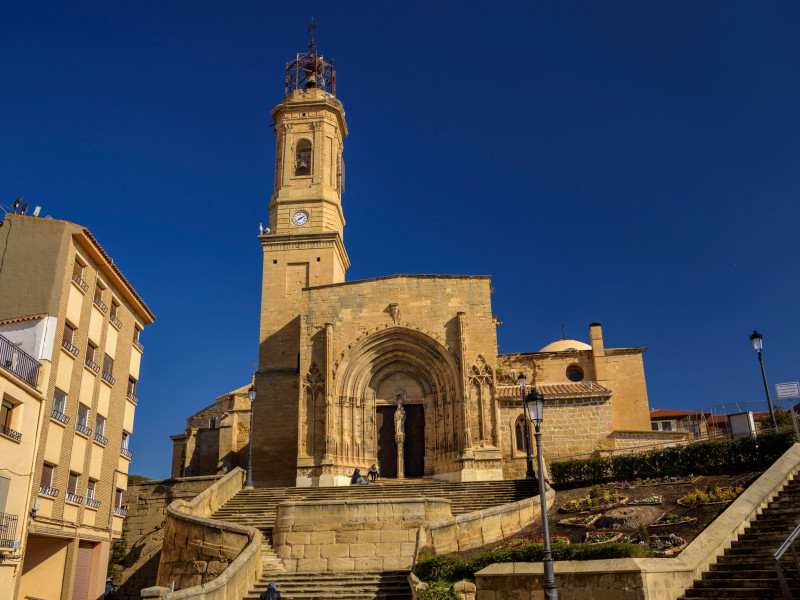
{"x":303,"y":158}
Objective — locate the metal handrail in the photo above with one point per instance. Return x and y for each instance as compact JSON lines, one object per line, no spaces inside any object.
{"x":19,"y":362}
{"x":780,"y":568}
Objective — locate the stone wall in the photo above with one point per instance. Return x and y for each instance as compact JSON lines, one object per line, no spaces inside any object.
{"x":352,"y":535}
{"x":143,"y":531}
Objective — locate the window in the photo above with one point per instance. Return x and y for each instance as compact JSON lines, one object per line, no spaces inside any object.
{"x":98,"y":294}
{"x":99,"y":426}
{"x":125,"y":439}
{"x":90,"y":488}
{"x":69,"y":334}
{"x":118,"y":498}
{"x":47,"y":476}
{"x":77,"y":270}
{"x":82,"y":424}
{"x":654,"y":426}
{"x":303,"y":158}
{"x":5,"y":415}
{"x":519,"y":436}
{"x":666,"y":426}
{"x":72,"y":485}
{"x":136,"y":333}
{"x":91,"y":352}
{"x":108,"y":365}
{"x":59,"y":405}
{"x":131,"y":387}
{"x":574,"y":373}
{"x":113,"y":312}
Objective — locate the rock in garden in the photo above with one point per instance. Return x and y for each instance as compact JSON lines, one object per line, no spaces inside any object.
{"x":628,"y":517}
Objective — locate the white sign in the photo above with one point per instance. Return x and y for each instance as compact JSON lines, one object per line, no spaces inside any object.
{"x":788,"y":390}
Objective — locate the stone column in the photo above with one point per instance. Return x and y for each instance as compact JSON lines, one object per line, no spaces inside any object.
{"x":400,"y":437}
{"x":329,"y":395}
{"x":462,"y":350}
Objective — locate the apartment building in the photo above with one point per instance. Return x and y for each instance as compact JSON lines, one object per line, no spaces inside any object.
{"x":66,"y":305}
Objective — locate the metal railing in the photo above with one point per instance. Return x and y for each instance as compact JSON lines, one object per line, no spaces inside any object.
{"x":99,"y":304}
{"x":133,"y":398}
{"x":138,"y":345}
{"x":14,"y":435}
{"x":781,"y":568}
{"x":8,"y":530}
{"x":93,"y":365}
{"x":67,"y":345}
{"x":19,"y":362}
{"x":59,"y":416}
{"x":74,"y":498}
{"x":125,"y":452}
{"x":81,"y":283}
{"x":48,"y":491}
{"x":121,"y":511}
{"x":92,"y":503}
{"x":107,"y":376}
{"x":116,"y":322}
{"x":81,"y":428}
{"x":100,"y":439}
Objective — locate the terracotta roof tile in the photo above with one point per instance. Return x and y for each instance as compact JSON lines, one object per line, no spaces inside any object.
{"x":22,"y":319}
{"x":558,"y":390}
{"x":666,"y":413}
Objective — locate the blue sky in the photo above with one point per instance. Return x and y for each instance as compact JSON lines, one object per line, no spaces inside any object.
{"x":628,"y":163}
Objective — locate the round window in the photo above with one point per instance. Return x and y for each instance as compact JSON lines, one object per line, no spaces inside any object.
{"x":574,"y":373}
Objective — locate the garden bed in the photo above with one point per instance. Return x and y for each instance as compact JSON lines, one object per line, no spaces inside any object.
{"x":601,"y":537}
{"x":584,"y":521}
{"x":684,"y":520}
{"x":651,"y":500}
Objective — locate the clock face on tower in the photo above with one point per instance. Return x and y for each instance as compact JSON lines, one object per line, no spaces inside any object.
{"x":300,"y":218}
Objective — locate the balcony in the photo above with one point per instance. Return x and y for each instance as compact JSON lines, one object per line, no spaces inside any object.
{"x":100,"y":438}
{"x":48,"y":491}
{"x":80,"y":282}
{"x":74,"y":498}
{"x":81,"y":428}
{"x":7,"y":431}
{"x":139,"y":345}
{"x":92,"y":365}
{"x":116,"y":322}
{"x":92,"y":503}
{"x":132,"y":397}
{"x":59,"y":416}
{"x":20,"y":363}
{"x":8,"y":530}
{"x":120,"y":510}
{"x":108,"y":378}
{"x":99,"y":304}
{"x":126,"y":453}
{"x":69,"y":348}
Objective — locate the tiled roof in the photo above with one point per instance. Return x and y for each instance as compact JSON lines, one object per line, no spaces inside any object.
{"x":558,"y":390}
{"x":666,"y":413}
{"x":22,"y":319}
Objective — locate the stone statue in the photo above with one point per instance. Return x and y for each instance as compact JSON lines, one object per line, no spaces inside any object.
{"x":399,"y":419}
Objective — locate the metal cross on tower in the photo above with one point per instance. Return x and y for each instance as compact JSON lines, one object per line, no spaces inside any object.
{"x":311,"y":27}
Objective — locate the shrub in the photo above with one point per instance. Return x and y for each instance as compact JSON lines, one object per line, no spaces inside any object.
{"x":438,"y":591}
{"x":644,"y":536}
{"x":743,"y":454}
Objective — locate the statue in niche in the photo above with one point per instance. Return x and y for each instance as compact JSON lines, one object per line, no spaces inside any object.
{"x":399,"y":418}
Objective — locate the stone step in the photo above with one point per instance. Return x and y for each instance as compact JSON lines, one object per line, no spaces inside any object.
{"x":374,"y":585}
{"x":742,"y":593}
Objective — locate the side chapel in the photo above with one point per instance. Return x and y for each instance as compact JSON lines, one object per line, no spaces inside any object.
{"x":402,"y":370}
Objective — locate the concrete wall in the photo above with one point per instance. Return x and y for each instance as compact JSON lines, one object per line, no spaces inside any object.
{"x":143,"y":531}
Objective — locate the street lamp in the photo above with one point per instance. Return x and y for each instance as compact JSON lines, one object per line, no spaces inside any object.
{"x":529,"y":460}
{"x":249,"y":483}
{"x":758,"y":346}
{"x":534,"y":404}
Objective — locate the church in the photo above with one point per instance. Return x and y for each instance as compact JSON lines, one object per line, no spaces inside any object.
{"x":402,"y":371}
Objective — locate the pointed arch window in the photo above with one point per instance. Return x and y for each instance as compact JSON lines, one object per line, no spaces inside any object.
{"x":519,"y":435}
{"x":302,"y":158}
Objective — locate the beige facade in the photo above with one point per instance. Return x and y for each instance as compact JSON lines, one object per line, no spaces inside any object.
{"x":65,"y":303}
{"x":403,"y":370}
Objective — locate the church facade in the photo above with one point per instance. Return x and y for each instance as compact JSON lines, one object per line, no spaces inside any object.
{"x":403,"y":370}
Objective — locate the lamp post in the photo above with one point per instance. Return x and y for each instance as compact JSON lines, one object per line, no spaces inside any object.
{"x":758,"y":346}
{"x":529,"y":459}
{"x":249,"y":483}
{"x":534,"y":404}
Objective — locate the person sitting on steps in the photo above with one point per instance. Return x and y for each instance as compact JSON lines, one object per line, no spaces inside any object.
{"x":357,"y":478}
{"x":373,"y":472}
{"x":271,"y":593}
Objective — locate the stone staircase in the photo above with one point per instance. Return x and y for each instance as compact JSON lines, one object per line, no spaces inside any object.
{"x":367,"y":585}
{"x":257,"y":507}
{"x":746,"y":570}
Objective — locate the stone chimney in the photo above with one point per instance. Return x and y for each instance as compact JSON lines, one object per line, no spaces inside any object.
{"x":598,"y":352}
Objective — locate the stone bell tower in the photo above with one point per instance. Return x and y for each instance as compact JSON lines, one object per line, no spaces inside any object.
{"x":303,"y":247}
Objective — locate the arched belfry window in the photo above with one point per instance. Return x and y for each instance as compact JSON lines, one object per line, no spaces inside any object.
{"x":519,"y":435}
{"x":303,"y":158}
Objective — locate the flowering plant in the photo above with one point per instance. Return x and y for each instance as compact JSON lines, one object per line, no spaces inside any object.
{"x":579,"y":520}
{"x":665,"y":479}
{"x":666,"y":542}
{"x":599,"y":537}
{"x":725,"y":494}
{"x":592,"y":499}
{"x":651,"y":499}
{"x":670,"y":519}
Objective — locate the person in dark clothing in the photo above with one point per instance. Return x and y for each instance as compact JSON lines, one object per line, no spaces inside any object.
{"x":373,"y":472}
{"x":357,"y":478}
{"x":271,"y":593}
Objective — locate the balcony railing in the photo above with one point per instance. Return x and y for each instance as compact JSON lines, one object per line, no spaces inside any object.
{"x":121,"y":511}
{"x":99,"y":304}
{"x":69,"y":347}
{"x":138,"y":345}
{"x":81,"y":428}
{"x":81,"y":283}
{"x":116,"y":322}
{"x":132,"y":397}
{"x":59,"y":416}
{"x":8,"y":530}
{"x":93,"y":365}
{"x":100,"y":438}
{"x":48,"y":491}
{"x":107,"y":376}
{"x":14,"y":435}
{"x":92,"y":503}
{"x":125,"y":452}
{"x":19,"y":362}
{"x":74,"y":498}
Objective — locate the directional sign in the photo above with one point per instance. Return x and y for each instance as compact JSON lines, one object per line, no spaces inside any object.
{"x":788,"y":390}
